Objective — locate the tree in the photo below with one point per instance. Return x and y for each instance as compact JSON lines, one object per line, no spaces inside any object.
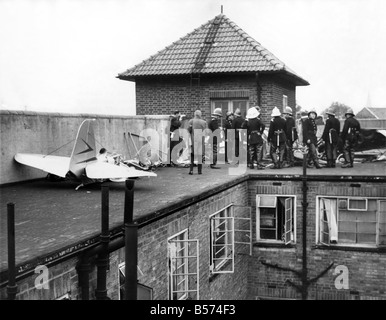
{"x":339,"y":109}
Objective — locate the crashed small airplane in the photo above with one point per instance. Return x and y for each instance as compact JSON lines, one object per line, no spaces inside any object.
{"x":83,"y":164}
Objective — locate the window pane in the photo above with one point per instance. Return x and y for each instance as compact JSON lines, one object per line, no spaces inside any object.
{"x":360,"y":204}
{"x":346,"y":237}
{"x":382,"y":239}
{"x":267,"y":218}
{"x":222,"y":240}
{"x":222,"y":104}
{"x":366,"y":238}
{"x":347,"y":226}
{"x":342,"y":204}
{"x":268,"y":234}
{"x":382,"y":222}
{"x":367,"y":227}
{"x":178,"y":266}
{"x":242,"y":105}
{"x":366,"y":216}
{"x":267,"y":201}
{"x":382,"y":212}
{"x":345,"y":215}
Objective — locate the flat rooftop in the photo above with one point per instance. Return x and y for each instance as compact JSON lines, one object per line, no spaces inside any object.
{"x":52,"y":218}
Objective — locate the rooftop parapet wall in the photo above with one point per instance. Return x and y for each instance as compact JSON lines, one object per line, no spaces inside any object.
{"x":44,"y":133}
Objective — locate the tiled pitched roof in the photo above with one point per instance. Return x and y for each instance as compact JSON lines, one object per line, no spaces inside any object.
{"x":372,"y":113}
{"x":218,"y":46}
{"x":380,"y":113}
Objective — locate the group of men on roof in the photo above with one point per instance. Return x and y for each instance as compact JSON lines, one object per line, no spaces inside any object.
{"x":282,"y":134}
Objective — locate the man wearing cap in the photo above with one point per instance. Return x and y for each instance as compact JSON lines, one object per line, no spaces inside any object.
{"x":310,"y":139}
{"x":277,"y":138}
{"x":213,"y":126}
{"x":255,"y":129}
{"x":291,"y":135}
{"x":330,"y":136}
{"x":349,"y":135}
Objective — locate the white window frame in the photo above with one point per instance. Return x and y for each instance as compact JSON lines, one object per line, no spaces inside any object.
{"x":230,"y":102}
{"x":355,"y":209}
{"x":228,"y":233}
{"x":190,"y":260}
{"x":289,"y":235}
{"x":378,"y":222}
{"x":176,"y":238}
{"x":240,"y":229}
{"x":318,"y":238}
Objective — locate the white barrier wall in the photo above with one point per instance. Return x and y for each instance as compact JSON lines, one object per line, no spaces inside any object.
{"x":46,"y":133}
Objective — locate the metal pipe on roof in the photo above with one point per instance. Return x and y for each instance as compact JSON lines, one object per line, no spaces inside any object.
{"x":131,"y":244}
{"x":11,"y":287}
{"x":103,"y":257}
{"x":304,"y":287}
{"x":102,"y":250}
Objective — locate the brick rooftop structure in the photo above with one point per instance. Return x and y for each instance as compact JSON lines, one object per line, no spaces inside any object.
{"x":56,"y":225}
{"x":216,"y":65}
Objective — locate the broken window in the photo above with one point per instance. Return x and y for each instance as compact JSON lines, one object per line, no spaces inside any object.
{"x":183,"y":267}
{"x":222,"y":241}
{"x":351,"y":221}
{"x":275,"y":218}
{"x":143,"y":292}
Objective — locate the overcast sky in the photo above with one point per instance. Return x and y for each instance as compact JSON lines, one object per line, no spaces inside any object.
{"x":64,"y":55}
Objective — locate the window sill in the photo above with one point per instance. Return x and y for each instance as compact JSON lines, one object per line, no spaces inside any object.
{"x":350,"y":248}
{"x":277,"y":244}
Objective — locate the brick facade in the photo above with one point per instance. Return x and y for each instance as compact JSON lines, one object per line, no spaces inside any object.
{"x":164,"y":95}
{"x":367,"y":269}
{"x":251,"y":279}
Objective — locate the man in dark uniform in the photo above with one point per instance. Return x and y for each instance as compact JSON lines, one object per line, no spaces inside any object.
{"x":255,"y":129}
{"x":331,"y":136}
{"x":291,"y":135}
{"x":236,"y":125}
{"x":228,"y":126}
{"x":310,"y":139}
{"x":175,"y":124}
{"x":277,"y":138}
{"x":213,"y":126}
{"x":349,"y":135}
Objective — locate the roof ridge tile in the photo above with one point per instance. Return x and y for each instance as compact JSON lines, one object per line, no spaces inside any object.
{"x":227,"y":51}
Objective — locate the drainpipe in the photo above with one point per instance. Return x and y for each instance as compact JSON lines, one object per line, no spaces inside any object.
{"x":103,"y":257}
{"x":84,"y":266}
{"x":11,"y":287}
{"x":258,"y":91}
{"x":131,"y":240}
{"x":304,"y":230}
{"x":102,"y":250}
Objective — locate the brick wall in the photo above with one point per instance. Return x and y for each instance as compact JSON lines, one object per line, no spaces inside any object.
{"x":62,"y":280}
{"x":164,"y":95}
{"x":152,"y":249}
{"x":367,"y":268}
{"x":251,"y":279}
{"x":272,"y":91}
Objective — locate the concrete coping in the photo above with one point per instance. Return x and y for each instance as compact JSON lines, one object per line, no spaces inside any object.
{"x":85,"y":115}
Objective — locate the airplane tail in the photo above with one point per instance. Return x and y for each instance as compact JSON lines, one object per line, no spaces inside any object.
{"x":84,"y":149}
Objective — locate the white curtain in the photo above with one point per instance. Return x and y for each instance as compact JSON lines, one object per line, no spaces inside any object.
{"x":331,"y":213}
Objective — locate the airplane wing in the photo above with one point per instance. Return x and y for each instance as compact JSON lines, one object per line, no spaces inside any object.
{"x":56,"y":165}
{"x":105,"y":170}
